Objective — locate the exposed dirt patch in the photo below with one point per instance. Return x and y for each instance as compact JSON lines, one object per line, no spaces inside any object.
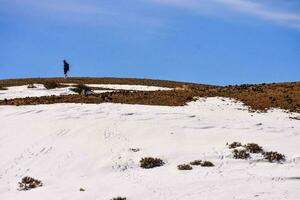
{"x":163,"y":98}
{"x":258,"y":97}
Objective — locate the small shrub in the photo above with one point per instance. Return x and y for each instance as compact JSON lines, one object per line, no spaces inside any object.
{"x":184,"y":167}
{"x":207,"y":164}
{"x":196,"y":162}
{"x":81,"y":190}
{"x":253,"y":148}
{"x":295,"y":118}
{"x":202,"y":163}
{"x":2,"y":88}
{"x":240,"y":154}
{"x":30,"y":86}
{"x":234,"y":145}
{"x":28,"y":183}
{"x":51,"y":85}
{"x":272,"y":156}
{"x":81,"y":88}
{"x":134,"y":149}
{"x":150,"y":162}
{"x":119,"y":198}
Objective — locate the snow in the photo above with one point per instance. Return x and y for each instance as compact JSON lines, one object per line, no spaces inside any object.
{"x":129,"y":87}
{"x":73,"y":146}
{"x":40,"y":90}
{"x":124,"y":87}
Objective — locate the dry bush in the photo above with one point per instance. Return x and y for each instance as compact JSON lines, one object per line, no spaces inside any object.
{"x":253,"y":148}
{"x":204,"y":163}
{"x":207,"y":164}
{"x":81,"y":88}
{"x":28,"y":183}
{"x":51,"y":85}
{"x":196,"y":162}
{"x":2,"y":88}
{"x":272,"y":156}
{"x":234,"y":145}
{"x":240,"y":154}
{"x":184,"y":167}
{"x":295,"y":118}
{"x":119,"y":198}
{"x":150,"y":162}
{"x":30,"y":86}
{"x":134,"y":150}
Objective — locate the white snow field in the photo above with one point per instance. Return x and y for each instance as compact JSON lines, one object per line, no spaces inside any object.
{"x":73,"y":146}
{"x":130,"y":87}
{"x":40,"y":90}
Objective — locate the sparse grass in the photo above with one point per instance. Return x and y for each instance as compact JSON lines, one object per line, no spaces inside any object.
{"x":28,"y":183}
{"x":119,"y":198}
{"x":80,"y":88}
{"x":234,"y":145}
{"x":253,"y":148}
{"x":273,"y":156}
{"x":184,"y":167}
{"x":150,"y":162}
{"x":240,"y":154}
{"x":51,"y":85}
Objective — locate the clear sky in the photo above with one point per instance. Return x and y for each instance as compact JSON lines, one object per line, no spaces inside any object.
{"x":205,"y":41}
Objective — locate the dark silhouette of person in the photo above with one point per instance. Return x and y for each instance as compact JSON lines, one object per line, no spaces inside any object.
{"x":66,"y":68}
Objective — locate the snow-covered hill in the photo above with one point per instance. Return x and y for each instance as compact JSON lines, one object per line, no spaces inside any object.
{"x":73,"y":146}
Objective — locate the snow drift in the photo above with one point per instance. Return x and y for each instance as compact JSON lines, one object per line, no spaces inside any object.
{"x":73,"y":146}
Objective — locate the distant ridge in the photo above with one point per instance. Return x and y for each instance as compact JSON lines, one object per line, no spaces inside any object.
{"x":259,"y":97}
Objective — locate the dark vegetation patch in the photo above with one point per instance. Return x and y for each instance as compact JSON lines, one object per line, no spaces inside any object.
{"x":196,"y":162}
{"x":253,"y":148}
{"x":273,"y":156}
{"x":28,"y":183}
{"x":119,"y":198}
{"x":295,"y":118}
{"x":204,"y":163}
{"x":240,"y":154}
{"x":81,"y":190}
{"x":162,"y":98}
{"x":52,"y":85}
{"x":234,"y":145}
{"x":2,"y":88}
{"x":134,"y":149}
{"x":81,"y":89}
{"x":257,"y":97}
{"x":207,"y":164}
{"x":184,"y":167}
{"x":150,"y":162}
{"x":30,"y":86}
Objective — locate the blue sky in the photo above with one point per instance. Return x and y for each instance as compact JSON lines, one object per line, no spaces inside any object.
{"x":205,"y":41}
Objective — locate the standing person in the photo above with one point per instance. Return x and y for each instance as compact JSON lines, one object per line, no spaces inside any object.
{"x":66,"y":68}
